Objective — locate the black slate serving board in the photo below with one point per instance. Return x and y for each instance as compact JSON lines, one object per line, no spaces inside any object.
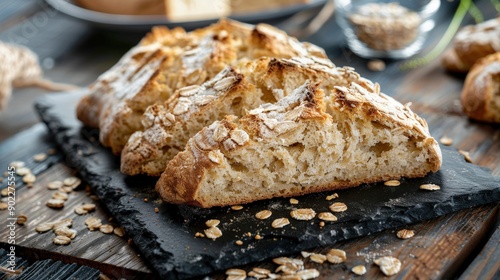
{"x":166,"y":239}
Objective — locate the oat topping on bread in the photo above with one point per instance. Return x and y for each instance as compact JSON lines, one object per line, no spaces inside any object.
{"x":169,"y":59}
{"x":306,"y":142}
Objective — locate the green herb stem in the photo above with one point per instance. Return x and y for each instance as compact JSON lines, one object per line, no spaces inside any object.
{"x":496,"y":4}
{"x":457,"y":19}
{"x":476,"y":13}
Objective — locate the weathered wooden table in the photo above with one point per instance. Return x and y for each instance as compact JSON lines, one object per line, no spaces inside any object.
{"x":462,"y":245}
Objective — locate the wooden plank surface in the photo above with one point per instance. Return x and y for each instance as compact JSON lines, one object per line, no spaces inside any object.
{"x":487,"y":264}
{"x":107,"y":252}
{"x":112,"y":255}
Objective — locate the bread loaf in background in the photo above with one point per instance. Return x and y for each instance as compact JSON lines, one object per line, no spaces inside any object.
{"x":472,"y":43}
{"x":186,"y":10}
{"x":245,"y":6}
{"x":481,"y":92}
{"x":125,"y":7}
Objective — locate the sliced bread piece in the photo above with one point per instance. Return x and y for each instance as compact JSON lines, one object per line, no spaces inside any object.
{"x":229,"y":93}
{"x":167,"y":60}
{"x":304,"y":143}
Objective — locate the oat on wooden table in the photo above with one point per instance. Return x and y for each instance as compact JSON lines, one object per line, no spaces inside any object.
{"x":17,"y":164}
{"x":21,"y":171}
{"x":60,"y":195}
{"x":79,"y":210}
{"x":317,"y":258}
{"x":72,"y":182}
{"x":336,"y":256}
{"x":119,"y":231}
{"x":43,"y":227}
{"x":54,"y":185}
{"x":61,"y":240}
{"x":359,"y":270}
{"x":22,"y":219}
{"x":405,"y":233}
{"x":65,"y":231}
{"x":106,"y":228}
{"x":29,"y":178}
{"x":55,"y":203}
{"x":40,"y":157}
{"x":388,"y":265}
{"x":93,"y":223}
{"x":447,"y":141}
{"x":89,"y":207}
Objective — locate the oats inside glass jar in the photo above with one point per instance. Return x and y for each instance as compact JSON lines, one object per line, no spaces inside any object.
{"x":385,"y":26}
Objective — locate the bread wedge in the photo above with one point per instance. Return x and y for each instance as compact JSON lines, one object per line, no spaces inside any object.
{"x":231,"y":92}
{"x":169,"y":59}
{"x":304,"y":143}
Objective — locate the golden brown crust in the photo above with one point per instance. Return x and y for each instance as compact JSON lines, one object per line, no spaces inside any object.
{"x":472,"y":43}
{"x":481,"y":92}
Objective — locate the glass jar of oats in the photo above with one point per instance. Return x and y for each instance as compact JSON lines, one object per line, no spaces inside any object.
{"x":388,"y":29}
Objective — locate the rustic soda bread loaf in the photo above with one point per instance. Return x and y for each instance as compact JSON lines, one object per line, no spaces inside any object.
{"x":167,"y":60}
{"x":472,"y":43}
{"x":481,"y":91}
{"x":230,"y":93}
{"x":304,"y":143}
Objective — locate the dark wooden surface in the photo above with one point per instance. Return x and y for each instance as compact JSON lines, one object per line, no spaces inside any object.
{"x":464,"y":244}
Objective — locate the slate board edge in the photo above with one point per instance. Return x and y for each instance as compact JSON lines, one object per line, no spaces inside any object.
{"x":150,"y":248}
